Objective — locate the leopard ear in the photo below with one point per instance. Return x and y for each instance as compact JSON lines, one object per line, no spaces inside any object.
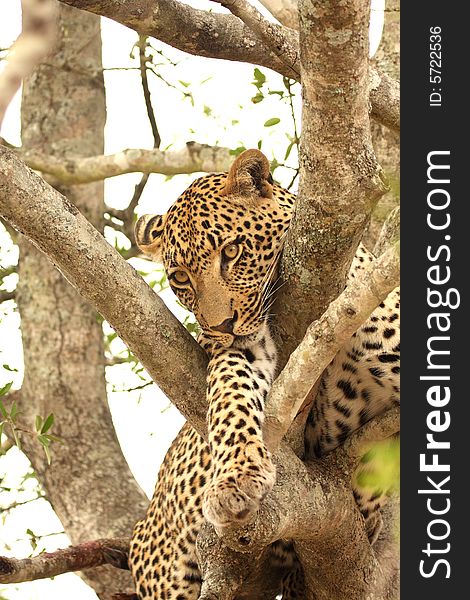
{"x":250,"y":176}
{"x":148,"y":235}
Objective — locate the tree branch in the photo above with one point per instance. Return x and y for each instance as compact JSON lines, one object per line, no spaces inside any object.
{"x":142,"y":45}
{"x":282,"y":41}
{"x":384,"y":97}
{"x":223,"y":36}
{"x":31,"y":47}
{"x":390,"y":232}
{"x":193,"y":158}
{"x":127,"y":215}
{"x":285,"y":11}
{"x":74,"y":558}
{"x":5,"y":272}
{"x":223,"y":569}
{"x":5,"y":296}
{"x":164,"y":347}
{"x":323,"y":340}
{"x":377,"y":429}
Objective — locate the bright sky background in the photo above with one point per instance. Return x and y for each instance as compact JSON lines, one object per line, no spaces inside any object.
{"x":145,"y":421}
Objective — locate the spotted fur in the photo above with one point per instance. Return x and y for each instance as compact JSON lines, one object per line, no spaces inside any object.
{"x":220,"y":243}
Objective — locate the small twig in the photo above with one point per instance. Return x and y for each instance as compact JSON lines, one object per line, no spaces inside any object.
{"x":4,"y":447}
{"x":75,"y":558}
{"x":16,"y":504}
{"x":5,"y":296}
{"x":111,"y":362}
{"x":288,"y":85}
{"x":136,"y":388}
{"x":4,"y":272}
{"x":296,"y":174}
{"x":143,"y":60}
{"x":127,"y":215}
{"x":151,"y":67}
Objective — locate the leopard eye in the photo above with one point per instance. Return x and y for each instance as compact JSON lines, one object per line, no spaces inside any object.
{"x":180,"y":277}
{"x":230,"y":252}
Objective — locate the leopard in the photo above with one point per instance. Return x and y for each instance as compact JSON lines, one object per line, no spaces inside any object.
{"x":220,"y":244}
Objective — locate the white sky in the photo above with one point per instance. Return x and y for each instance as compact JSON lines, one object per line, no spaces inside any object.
{"x":145,"y":422}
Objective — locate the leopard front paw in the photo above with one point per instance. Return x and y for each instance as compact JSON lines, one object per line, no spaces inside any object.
{"x":234,"y":496}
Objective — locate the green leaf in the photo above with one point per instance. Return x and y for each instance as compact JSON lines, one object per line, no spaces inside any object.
{"x":258,"y":98}
{"x":11,"y":369}
{"x":237,"y":151}
{"x":271,"y":122}
{"x":44,"y":440}
{"x":48,"y":423}
{"x":13,"y":411}
{"x":185,"y":84}
{"x":367,"y":457}
{"x":38,"y":423}
{"x":288,"y":151}
{"x":5,"y":389}
{"x":260,"y":78}
{"x":3,"y":410}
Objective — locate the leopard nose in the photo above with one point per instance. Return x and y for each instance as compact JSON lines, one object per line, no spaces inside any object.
{"x":226,"y":326}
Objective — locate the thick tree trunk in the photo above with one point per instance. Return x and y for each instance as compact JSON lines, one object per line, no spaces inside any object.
{"x":340,"y":179}
{"x":89,"y":484}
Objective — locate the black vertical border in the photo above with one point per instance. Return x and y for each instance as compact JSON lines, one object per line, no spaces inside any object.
{"x":424,"y":129}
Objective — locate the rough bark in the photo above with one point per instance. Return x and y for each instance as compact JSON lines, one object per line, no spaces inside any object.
{"x":89,"y":485}
{"x":340,"y":180}
{"x":74,"y":558}
{"x":213,"y":35}
{"x":280,"y":40}
{"x":386,"y":141}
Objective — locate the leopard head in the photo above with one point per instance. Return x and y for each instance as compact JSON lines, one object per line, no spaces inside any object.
{"x":220,"y":243}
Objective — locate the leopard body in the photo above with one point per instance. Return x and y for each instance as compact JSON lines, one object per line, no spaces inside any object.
{"x":220,"y":243}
